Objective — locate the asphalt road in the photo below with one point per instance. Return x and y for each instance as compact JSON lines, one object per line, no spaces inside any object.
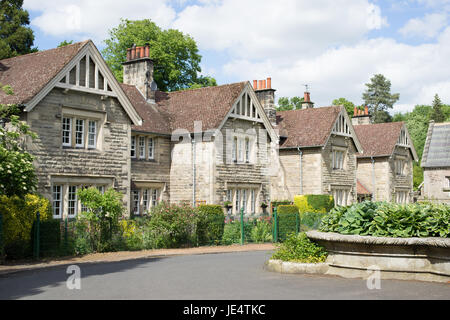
{"x":231,"y":276}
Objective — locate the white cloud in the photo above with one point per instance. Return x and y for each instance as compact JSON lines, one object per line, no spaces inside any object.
{"x":427,"y":27}
{"x":80,"y":19}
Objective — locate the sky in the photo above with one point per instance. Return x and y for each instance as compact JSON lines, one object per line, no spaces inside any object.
{"x":334,"y":46}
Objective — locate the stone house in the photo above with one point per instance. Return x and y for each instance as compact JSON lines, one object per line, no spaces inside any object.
{"x":385,"y":168}
{"x":436,"y":163}
{"x":317,"y":153}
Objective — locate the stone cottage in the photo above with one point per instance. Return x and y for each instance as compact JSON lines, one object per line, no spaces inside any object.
{"x":385,"y":168}
{"x":317,"y":153}
{"x":436,"y":163}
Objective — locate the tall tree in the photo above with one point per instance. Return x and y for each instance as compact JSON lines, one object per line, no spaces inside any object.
{"x":177,"y":61}
{"x":15,"y":37}
{"x":65,"y":43}
{"x":379,"y":99}
{"x":349,"y":106}
{"x":285,"y":104}
{"x":436,"y":113}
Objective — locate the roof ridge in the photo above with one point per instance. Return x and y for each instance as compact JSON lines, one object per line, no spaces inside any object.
{"x":82,"y":43}
{"x":203,"y":88}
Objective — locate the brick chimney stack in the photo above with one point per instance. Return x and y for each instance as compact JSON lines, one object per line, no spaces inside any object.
{"x":266,"y":96}
{"x":138,"y":70}
{"x":361,"y":117}
{"x":307,"y":103}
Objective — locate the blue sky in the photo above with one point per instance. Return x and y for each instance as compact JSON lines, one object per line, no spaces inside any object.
{"x":335,"y":46}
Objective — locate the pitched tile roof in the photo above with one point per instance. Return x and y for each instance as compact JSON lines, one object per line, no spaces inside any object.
{"x":307,"y":127}
{"x":437,"y":147}
{"x":154,"y":119}
{"x":378,"y":139}
{"x":361,"y":189}
{"x":29,"y":74}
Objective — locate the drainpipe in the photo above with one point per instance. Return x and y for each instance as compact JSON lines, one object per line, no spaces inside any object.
{"x":300,"y":153}
{"x":194,"y":169}
{"x":373,"y":179}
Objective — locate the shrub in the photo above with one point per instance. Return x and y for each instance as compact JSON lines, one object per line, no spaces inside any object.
{"x":19,"y":215}
{"x":288,"y":221}
{"x":49,"y":238}
{"x":210,"y":224}
{"x":277,"y":203}
{"x":311,"y":220}
{"x":262,"y":232}
{"x":232,"y":233}
{"x":81,"y":238}
{"x":298,"y":248}
{"x":384,"y":219}
{"x":173,"y":226}
{"x":132,"y":236}
{"x":314,"y":203}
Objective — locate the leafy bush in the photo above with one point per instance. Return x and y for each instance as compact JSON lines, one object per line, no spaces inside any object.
{"x":173,"y":226}
{"x":314,"y":203}
{"x":19,"y":215}
{"x":384,"y":219}
{"x":232,"y":232}
{"x":277,"y":203}
{"x":81,"y":241}
{"x":210,"y":224}
{"x":298,"y":248}
{"x":311,"y":220}
{"x":288,"y":221}
{"x":132,"y":236}
{"x":262,"y":232}
{"x":49,"y":238}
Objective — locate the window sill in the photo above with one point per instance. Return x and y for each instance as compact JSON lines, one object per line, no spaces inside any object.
{"x":144,"y":160}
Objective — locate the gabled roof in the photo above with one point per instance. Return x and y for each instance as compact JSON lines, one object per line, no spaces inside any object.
{"x":380,"y":140}
{"x":30,"y":73}
{"x":437,"y":146}
{"x":307,"y":127}
{"x":33,"y":76}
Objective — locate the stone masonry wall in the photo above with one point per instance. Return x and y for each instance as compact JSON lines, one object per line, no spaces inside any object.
{"x":435,"y":183}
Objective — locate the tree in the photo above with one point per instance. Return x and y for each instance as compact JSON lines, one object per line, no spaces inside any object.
{"x":17,"y":173}
{"x":349,"y":106}
{"x":379,"y":99}
{"x":65,"y":43}
{"x":437,"y":114}
{"x":294,"y":103}
{"x":176,"y":57}
{"x":203,"y":82}
{"x":15,"y":37}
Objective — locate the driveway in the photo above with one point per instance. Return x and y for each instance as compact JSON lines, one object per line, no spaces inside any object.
{"x":225,"y":276}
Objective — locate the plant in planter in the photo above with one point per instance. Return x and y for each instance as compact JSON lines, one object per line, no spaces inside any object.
{"x":227,"y":204}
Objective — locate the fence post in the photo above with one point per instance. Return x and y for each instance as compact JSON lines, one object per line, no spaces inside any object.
{"x":37,"y":236}
{"x":275,"y":225}
{"x":242,"y":227}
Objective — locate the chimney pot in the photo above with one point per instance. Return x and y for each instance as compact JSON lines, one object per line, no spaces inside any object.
{"x":367,"y":110}
{"x":269,"y":83}
{"x":264,"y":84}
{"x":259,"y":84}
{"x":307,"y":97}
{"x":255,"y":84}
{"x":355,"y":112}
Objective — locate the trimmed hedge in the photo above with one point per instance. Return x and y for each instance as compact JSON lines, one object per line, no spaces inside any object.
{"x":210,"y":224}
{"x":49,"y":238}
{"x":317,"y":203}
{"x":288,"y":221}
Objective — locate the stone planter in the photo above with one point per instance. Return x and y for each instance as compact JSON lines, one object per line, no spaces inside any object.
{"x":424,"y":259}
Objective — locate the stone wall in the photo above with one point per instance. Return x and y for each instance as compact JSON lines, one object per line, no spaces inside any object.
{"x":380,"y":168}
{"x":435,"y":183}
{"x":110,"y":163}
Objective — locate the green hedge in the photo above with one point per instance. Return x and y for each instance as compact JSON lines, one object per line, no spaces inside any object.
{"x":277,"y":203}
{"x":383,"y":219}
{"x":288,"y":221}
{"x":49,"y":239}
{"x":210,"y":224}
{"x":317,"y":203}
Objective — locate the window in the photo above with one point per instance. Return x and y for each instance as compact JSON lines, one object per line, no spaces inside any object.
{"x":151,"y":148}
{"x":401,"y":197}
{"x":235,"y":142}
{"x":136,"y":200}
{"x":340,"y":197}
{"x":92,"y":134}
{"x":252,"y":201}
{"x":247,"y":150}
{"x":79,"y":133}
{"x":73,"y":202}
{"x":244,"y":200}
{"x":238,"y":201}
{"x":133,"y":146}
{"x":67,"y":132}
{"x":145,"y":200}
{"x":57,"y":201}
{"x":154,"y":198}
{"x":338,"y":159}
{"x":141,"y":147}
{"x":400,"y":167}
{"x":241,"y":150}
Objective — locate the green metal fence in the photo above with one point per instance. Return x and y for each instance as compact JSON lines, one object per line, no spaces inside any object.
{"x":2,"y":245}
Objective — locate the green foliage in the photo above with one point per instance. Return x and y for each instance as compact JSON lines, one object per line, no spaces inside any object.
{"x":294,"y":103}
{"x":379,"y":99}
{"x":312,"y":220}
{"x":261,"y":232}
{"x":232,"y":232}
{"x":288,"y":221}
{"x":384,"y":219}
{"x":287,"y":209}
{"x":437,"y":114}
{"x":102,"y":215}
{"x":210,"y":224}
{"x":176,"y":57}
{"x":65,"y":43}
{"x":49,"y":238}
{"x":15,"y":37}
{"x":298,"y":248}
{"x":19,"y":215}
{"x":348,"y":105}
{"x":318,"y":203}
{"x":203,"y":82}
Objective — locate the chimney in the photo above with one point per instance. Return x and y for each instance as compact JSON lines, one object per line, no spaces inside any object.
{"x":266,"y":96}
{"x":138,"y":71}
{"x":307,"y":104}
{"x":361,"y":117}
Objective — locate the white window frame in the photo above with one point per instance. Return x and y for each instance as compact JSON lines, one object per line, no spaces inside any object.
{"x":338,"y":159}
{"x":133,"y":147}
{"x":151,"y":148}
{"x":92,"y":135}
{"x":77,"y":132}
{"x":235,"y":148}
{"x":141,"y":147}
{"x":341,"y":196}
{"x":72,"y":200}
{"x":57,"y":200}
{"x":253,"y":201}
{"x":65,"y":130}
{"x":146,"y":200}
{"x":136,"y":201}
{"x":154,"y":199}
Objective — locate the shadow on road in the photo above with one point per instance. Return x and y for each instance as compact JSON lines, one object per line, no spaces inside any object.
{"x":32,"y":282}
